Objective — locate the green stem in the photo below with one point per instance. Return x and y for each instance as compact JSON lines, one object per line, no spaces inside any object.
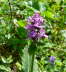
{"x":32,"y":51}
{"x":10,"y":10}
{"x":32,"y":62}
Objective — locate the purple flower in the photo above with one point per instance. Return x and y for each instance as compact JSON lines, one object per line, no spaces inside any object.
{"x":52,"y":59}
{"x":42,"y":33}
{"x":29,"y":27}
{"x":37,"y":19}
{"x":34,"y":27}
{"x":29,"y":20}
{"x":32,"y":34}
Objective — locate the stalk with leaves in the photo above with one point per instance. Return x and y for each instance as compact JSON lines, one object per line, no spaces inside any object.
{"x":35,"y":32}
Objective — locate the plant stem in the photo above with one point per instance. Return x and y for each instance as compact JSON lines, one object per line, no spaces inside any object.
{"x":10,"y":10}
{"x":32,"y":62}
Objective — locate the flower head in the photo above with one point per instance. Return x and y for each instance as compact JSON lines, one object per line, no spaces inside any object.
{"x":52,"y":59}
{"x":35,"y":28}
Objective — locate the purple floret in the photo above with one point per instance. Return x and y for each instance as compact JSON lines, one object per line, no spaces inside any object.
{"x":37,"y":19}
{"x":33,"y":34}
{"x":29,"y":27}
{"x":42,"y":33}
{"x":52,"y":59}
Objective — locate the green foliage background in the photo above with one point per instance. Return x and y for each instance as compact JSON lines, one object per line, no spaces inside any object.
{"x":13,"y":46}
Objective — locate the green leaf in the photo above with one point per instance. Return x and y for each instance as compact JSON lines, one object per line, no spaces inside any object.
{"x":26,"y":60}
{"x":35,"y":69}
{"x":21,"y":23}
{"x":18,"y":65}
{"x":49,"y":14}
{"x":58,"y":1}
{"x":7,"y":60}
{"x":22,"y":32}
{"x":32,"y":48}
{"x":35,"y":4}
{"x":4,"y":68}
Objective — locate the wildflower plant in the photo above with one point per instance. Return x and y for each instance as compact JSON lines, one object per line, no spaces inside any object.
{"x":36,"y":31}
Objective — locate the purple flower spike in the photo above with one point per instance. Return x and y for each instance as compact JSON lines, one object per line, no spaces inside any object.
{"x":34,"y":27}
{"x":52,"y":59}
